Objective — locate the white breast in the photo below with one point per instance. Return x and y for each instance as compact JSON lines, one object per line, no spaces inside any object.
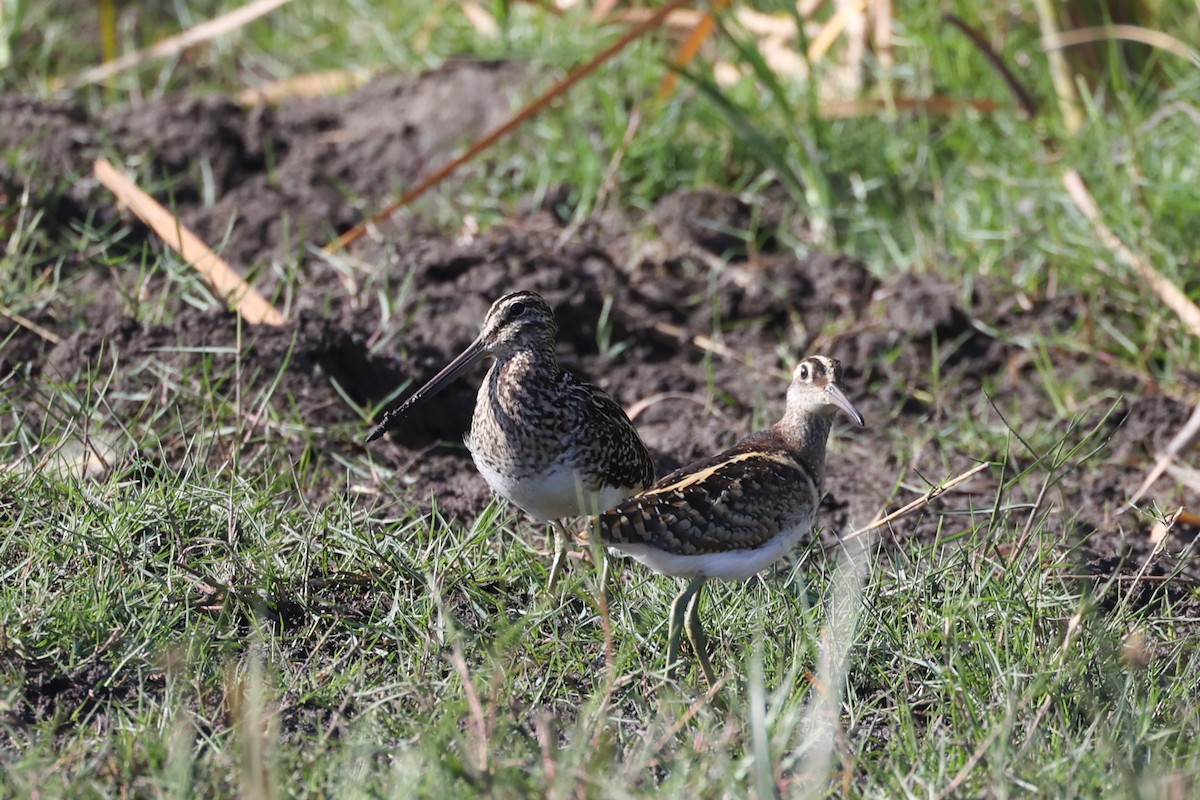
{"x":734,"y":565}
{"x":555,"y":493}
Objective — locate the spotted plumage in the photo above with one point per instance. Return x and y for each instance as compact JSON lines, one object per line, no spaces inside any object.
{"x":733,"y":515}
{"x":551,"y":444}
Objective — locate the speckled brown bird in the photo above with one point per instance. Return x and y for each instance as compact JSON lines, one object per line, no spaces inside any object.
{"x":551,"y":444}
{"x":733,"y":515}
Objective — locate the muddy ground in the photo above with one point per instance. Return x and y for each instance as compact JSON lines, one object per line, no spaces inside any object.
{"x":258,"y":180}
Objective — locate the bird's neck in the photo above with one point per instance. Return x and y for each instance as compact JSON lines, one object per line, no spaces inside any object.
{"x":806,"y":435}
{"x":520,"y":372}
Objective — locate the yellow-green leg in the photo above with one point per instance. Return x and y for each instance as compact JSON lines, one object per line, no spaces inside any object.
{"x":683,"y":610}
{"x":559,"y":533}
{"x":602,"y":554}
{"x":695,"y":632}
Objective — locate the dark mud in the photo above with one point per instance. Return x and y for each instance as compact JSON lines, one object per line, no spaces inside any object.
{"x":258,"y":183}
{"x":48,"y":696}
{"x":694,"y":344}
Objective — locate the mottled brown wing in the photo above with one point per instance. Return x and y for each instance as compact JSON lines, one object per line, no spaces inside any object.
{"x":737,"y":500}
{"x":620,"y":456}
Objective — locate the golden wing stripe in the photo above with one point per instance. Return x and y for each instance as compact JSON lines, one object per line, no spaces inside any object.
{"x":702,"y":475}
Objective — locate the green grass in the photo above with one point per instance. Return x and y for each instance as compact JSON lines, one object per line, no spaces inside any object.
{"x":235,"y":635}
{"x":225,"y":627}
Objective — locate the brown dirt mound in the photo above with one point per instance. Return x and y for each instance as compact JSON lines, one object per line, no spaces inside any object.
{"x":261,"y":181}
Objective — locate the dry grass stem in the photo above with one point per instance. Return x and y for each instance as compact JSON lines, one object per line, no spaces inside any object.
{"x":1158,"y":535}
{"x":514,"y":122}
{"x":764,"y":25}
{"x":691,"y":46}
{"x":1187,"y":517}
{"x":1188,"y":476}
{"x":951,"y":789}
{"x":829,"y":34}
{"x":1187,"y":436}
{"x":481,"y":19}
{"x":1129,"y":33}
{"x":869,"y":107}
{"x":245,"y":299}
{"x":694,"y":709}
{"x":678,"y":23}
{"x":49,"y":335}
{"x":921,"y":501}
{"x":853,"y":70}
{"x":635,"y":410}
{"x":478,"y":718}
{"x":199,"y":34}
{"x":312,"y":84}
{"x":1171,"y":294}
{"x":882,"y":37}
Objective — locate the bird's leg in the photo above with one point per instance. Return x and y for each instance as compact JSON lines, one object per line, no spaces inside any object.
{"x":679,"y":608}
{"x":602,"y":554}
{"x":599,"y":555}
{"x":673,"y":629}
{"x":695,"y":630}
{"x":560,"y":553}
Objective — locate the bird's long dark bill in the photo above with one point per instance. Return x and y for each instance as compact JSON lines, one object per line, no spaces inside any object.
{"x":465,"y":359}
{"x":841,"y":401}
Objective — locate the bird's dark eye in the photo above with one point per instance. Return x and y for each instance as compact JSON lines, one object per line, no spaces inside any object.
{"x":805,"y":372}
{"x":516,"y":310}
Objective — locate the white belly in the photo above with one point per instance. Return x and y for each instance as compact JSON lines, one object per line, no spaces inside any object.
{"x":555,"y":493}
{"x":734,"y":565}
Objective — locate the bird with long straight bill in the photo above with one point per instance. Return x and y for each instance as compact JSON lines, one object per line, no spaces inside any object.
{"x":551,"y":444}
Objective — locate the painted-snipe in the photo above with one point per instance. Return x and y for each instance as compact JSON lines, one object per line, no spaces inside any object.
{"x":552,"y":445}
{"x":733,"y":515}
